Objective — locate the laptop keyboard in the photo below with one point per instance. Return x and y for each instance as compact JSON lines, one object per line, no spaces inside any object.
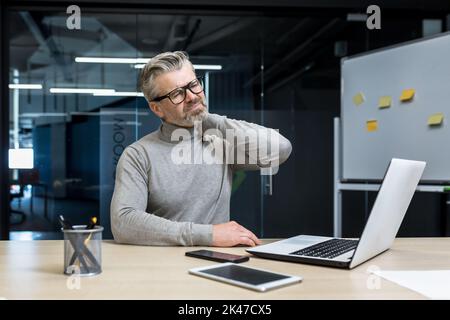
{"x":328,"y":249}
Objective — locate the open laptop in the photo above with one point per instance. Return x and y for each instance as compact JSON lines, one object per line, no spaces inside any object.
{"x":394,"y":196}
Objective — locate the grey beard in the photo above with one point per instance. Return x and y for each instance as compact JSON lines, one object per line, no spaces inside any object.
{"x":197,"y":117}
{"x":189,"y":120}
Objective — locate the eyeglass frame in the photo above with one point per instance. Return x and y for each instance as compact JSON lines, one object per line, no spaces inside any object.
{"x":185,"y":88}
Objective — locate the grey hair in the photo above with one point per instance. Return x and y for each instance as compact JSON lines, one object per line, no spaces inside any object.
{"x":159,"y":64}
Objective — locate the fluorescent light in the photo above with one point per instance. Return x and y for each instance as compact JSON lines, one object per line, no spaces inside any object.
{"x":207,"y":67}
{"x":120,"y":94}
{"x":196,"y":66}
{"x":139,"y":62}
{"x":42,"y":114}
{"x":24,"y":86}
{"x":111,"y":60}
{"x":21,"y":158}
{"x":80,"y":90}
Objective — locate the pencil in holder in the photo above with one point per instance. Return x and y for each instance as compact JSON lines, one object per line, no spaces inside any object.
{"x":83,"y":250}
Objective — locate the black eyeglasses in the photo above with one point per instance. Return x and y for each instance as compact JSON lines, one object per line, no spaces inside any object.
{"x":177,"y":96}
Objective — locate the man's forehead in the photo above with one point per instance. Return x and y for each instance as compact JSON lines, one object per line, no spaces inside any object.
{"x":176,"y":78}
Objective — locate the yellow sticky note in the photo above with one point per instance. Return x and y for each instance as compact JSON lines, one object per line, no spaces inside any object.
{"x":358,"y":98}
{"x":384,"y":102}
{"x":372,"y":125}
{"x":435,"y":119}
{"x":407,"y":94}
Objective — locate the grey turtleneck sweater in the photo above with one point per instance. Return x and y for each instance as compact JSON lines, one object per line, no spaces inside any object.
{"x":159,"y":201}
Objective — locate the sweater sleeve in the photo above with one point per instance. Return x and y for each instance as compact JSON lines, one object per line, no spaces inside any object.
{"x":253,"y":147}
{"x":131,"y":224}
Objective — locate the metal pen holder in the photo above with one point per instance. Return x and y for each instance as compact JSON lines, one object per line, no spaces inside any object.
{"x":83,"y":250}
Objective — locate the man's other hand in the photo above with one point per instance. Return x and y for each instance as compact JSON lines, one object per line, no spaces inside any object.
{"x":231,"y":234}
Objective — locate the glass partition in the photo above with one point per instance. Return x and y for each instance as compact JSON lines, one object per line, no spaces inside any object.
{"x":75,"y":105}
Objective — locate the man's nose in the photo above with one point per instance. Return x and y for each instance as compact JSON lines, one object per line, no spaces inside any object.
{"x":190,"y":96}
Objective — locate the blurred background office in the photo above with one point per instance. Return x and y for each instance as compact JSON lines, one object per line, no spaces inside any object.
{"x":70,"y":102}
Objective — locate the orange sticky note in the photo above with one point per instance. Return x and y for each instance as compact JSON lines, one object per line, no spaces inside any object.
{"x":384,"y":102}
{"x":358,"y":98}
{"x":435,"y":119}
{"x":372,"y":125}
{"x":407,"y":94}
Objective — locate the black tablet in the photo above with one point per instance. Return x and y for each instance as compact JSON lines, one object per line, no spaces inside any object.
{"x":243,"y":276}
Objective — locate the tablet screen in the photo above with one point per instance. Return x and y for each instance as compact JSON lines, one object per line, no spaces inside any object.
{"x":243,"y":274}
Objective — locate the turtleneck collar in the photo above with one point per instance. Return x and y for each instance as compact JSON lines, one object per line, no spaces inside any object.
{"x":166,"y":129}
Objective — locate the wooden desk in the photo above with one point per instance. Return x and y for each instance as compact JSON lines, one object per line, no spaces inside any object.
{"x":34,"y":270}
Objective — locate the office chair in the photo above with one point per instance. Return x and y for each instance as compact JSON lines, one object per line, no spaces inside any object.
{"x":32,"y":177}
{"x":25,"y":177}
{"x":12,"y":196}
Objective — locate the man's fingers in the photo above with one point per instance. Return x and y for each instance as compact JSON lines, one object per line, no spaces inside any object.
{"x":247,"y":241}
{"x":251,"y":235}
{"x":255,"y":238}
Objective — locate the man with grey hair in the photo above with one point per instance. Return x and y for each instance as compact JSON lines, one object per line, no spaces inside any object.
{"x":158,"y":201}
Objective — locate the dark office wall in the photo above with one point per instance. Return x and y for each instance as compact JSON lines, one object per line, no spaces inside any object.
{"x":42,"y":155}
{"x":426,"y":215}
{"x":302,"y":197}
{"x":229,"y":92}
{"x":83,"y":157}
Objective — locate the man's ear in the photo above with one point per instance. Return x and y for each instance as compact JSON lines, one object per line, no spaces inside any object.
{"x":156,"y":108}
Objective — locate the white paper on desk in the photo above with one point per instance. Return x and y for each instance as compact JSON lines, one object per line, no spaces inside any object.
{"x":434,"y":284}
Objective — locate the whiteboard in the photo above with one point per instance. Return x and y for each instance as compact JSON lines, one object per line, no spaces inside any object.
{"x":402,"y":129}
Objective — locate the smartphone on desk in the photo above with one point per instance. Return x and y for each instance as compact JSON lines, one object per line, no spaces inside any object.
{"x":217,"y":256}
